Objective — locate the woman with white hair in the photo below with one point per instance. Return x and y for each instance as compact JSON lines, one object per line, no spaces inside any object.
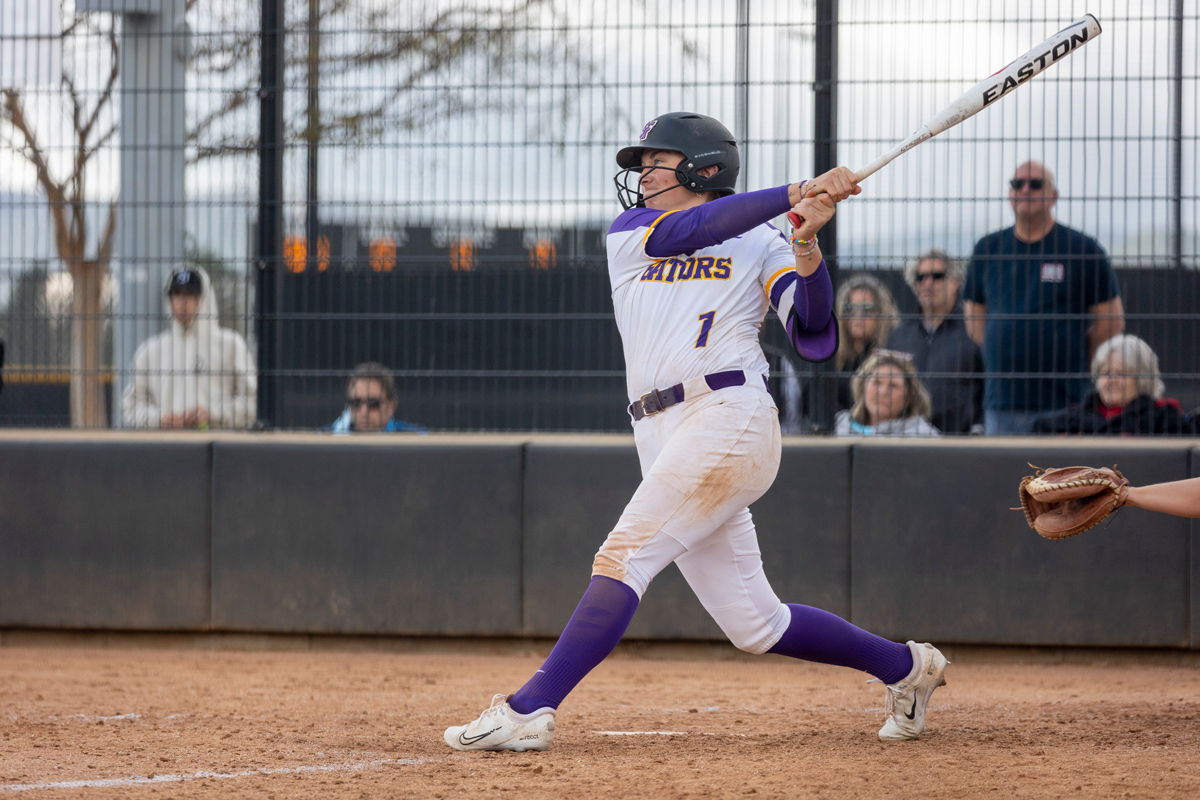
{"x":889,"y":399}
{"x":1127,"y":398}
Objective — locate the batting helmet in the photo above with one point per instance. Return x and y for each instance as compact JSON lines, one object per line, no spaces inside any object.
{"x":704,"y":142}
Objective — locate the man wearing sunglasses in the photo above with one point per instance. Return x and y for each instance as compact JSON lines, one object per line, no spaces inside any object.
{"x":1040,"y":298}
{"x":370,"y":403}
{"x":946,"y":357}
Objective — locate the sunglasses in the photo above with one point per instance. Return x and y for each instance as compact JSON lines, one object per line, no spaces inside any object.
{"x":859,"y":308}
{"x":373,"y":403}
{"x":1035,"y":184}
{"x":933,"y":276}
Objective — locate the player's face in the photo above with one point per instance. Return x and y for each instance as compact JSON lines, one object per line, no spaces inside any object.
{"x":1116,"y":386}
{"x":1031,"y":192}
{"x":884,"y":394}
{"x":370,"y":410}
{"x":861,"y":312}
{"x":184,"y":307}
{"x":936,"y":290}
{"x":663,"y":177}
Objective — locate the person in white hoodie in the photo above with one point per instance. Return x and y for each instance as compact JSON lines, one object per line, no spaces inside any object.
{"x":195,"y":374}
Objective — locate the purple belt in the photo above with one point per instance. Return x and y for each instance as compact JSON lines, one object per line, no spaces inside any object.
{"x":657,"y":400}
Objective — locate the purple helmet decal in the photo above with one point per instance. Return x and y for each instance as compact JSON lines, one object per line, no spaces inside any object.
{"x":646,"y":130}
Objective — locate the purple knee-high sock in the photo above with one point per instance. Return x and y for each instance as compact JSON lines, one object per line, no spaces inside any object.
{"x":597,"y":625}
{"x":816,"y":635}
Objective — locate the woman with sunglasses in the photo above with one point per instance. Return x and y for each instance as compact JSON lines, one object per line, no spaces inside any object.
{"x":889,"y":399}
{"x":866,"y":315}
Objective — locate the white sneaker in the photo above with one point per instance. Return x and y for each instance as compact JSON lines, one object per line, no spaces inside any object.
{"x":501,"y":728}
{"x":907,"y":701}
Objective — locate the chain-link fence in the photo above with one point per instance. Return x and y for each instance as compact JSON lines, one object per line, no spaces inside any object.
{"x":426,"y":187}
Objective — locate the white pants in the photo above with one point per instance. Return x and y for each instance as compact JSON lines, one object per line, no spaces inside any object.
{"x":703,"y":462}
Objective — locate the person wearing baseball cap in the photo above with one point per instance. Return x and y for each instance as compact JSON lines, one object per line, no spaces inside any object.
{"x":195,"y":374}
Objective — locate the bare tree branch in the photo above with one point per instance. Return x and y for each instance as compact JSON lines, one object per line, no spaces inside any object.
{"x":109,"y":84}
{"x":501,"y":38}
{"x":108,"y":235}
{"x":14,"y":114}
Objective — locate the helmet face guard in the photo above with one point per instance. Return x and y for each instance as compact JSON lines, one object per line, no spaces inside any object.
{"x":629,"y":185}
{"x":703,"y":141}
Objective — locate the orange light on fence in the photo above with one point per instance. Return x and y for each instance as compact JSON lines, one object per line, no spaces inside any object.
{"x":462,"y":255}
{"x":543,"y":255}
{"x":295,"y":253}
{"x":383,"y":254}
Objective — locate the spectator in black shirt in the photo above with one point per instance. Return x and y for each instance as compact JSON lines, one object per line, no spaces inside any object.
{"x":946,"y":357}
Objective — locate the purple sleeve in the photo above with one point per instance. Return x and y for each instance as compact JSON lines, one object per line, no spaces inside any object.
{"x":811,"y":324}
{"x":715,"y":222}
{"x":812,"y":302}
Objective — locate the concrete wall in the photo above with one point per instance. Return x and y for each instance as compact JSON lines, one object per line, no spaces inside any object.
{"x":494,"y":536}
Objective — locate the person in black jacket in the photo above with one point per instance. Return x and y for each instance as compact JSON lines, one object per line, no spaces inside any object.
{"x":945,"y":355}
{"x":1127,"y":400}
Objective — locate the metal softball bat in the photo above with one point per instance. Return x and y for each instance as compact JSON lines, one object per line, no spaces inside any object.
{"x":988,"y":91}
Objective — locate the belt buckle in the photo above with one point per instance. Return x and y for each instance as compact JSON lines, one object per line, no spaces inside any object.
{"x":646,"y":412}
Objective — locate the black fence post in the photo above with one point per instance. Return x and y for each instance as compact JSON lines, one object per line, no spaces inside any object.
{"x":822,"y":386}
{"x":270,"y":209}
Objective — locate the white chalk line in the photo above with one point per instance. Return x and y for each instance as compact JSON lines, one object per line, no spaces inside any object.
{"x":107,"y":783}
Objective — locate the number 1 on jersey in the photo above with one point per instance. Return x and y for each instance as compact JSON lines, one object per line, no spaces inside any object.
{"x":706,"y":323}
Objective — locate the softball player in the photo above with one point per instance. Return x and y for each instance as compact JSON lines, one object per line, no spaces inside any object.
{"x":694,"y":269}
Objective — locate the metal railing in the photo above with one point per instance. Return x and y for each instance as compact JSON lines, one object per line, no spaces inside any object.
{"x":427,"y":186}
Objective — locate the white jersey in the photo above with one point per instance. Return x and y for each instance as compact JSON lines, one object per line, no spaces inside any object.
{"x":697,"y":313}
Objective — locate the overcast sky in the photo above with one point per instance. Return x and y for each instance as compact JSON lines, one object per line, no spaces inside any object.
{"x":1101,"y":119}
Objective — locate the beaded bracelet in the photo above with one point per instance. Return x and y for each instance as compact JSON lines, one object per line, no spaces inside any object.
{"x":811,"y":244}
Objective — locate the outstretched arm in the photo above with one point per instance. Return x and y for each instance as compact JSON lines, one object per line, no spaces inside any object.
{"x":726,"y":217}
{"x":1181,"y":498}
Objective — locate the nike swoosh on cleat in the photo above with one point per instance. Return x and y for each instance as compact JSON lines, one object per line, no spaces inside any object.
{"x":912,"y":712}
{"x":464,"y":739}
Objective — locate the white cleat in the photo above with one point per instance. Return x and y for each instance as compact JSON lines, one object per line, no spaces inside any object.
{"x":501,"y":728}
{"x":907,"y":701}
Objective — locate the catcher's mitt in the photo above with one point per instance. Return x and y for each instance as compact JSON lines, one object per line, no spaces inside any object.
{"x":1069,"y":500}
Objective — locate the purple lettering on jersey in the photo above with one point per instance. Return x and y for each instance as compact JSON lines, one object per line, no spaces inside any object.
{"x":675,"y":263}
{"x":646,"y":130}
{"x":689,"y":268}
{"x":704,"y":265}
{"x":723,"y":269}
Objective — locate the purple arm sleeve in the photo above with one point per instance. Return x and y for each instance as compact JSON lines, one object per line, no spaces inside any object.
{"x":811,"y":325}
{"x":715,"y":222}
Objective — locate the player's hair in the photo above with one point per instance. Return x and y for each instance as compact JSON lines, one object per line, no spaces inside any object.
{"x":916,"y":396}
{"x":1137,"y":360}
{"x":373,"y":371}
{"x":955,"y":270}
{"x":888,"y":316}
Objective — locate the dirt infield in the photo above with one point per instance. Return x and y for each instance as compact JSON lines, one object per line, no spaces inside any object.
{"x":102,"y":722}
